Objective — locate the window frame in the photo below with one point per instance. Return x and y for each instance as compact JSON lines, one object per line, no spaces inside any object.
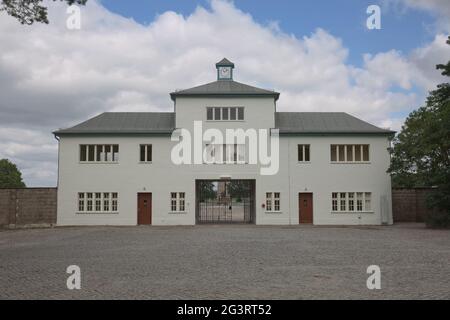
{"x":96,"y":202}
{"x":225,"y":114}
{"x":344,"y":150}
{"x":145,"y":146}
{"x":301,"y":149}
{"x":352,"y":202}
{"x":273,"y":201}
{"x":177,"y":203}
{"x":225,"y":154}
{"x":99,"y":151}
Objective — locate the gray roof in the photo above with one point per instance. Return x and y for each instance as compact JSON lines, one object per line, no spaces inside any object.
{"x":224,"y":88}
{"x":324,"y":122}
{"x":164,"y":123}
{"x":225,"y":62}
{"x":125,"y":122}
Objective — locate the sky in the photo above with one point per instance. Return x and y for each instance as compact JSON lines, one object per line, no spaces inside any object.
{"x":128,"y":56}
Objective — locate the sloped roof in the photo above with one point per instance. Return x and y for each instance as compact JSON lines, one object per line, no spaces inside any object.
{"x":225,"y":88}
{"x":125,"y":122}
{"x":225,"y":62}
{"x":164,"y":123}
{"x":324,"y":122}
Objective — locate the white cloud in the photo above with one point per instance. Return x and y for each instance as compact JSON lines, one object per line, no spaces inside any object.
{"x":52,"y":77}
{"x":439,"y":8}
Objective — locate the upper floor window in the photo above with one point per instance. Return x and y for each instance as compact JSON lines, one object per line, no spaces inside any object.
{"x":99,"y":152}
{"x":303,"y":152}
{"x":225,"y":113}
{"x":225,"y":154}
{"x":145,"y":153}
{"x":349,"y":153}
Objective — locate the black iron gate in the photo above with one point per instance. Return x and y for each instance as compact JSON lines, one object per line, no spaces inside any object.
{"x":225,"y":201}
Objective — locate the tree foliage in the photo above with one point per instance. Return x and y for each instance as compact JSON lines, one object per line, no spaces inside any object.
{"x":421,"y":153}
{"x":10,"y":176}
{"x":30,"y":11}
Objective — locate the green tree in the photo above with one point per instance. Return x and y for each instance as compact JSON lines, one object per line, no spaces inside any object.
{"x":10,"y":176}
{"x":421,"y":153}
{"x":207,"y":190}
{"x":30,"y":11}
{"x":238,"y":189}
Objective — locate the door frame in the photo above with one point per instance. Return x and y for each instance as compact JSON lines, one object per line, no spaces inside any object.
{"x":151,"y":208}
{"x":312,"y":208}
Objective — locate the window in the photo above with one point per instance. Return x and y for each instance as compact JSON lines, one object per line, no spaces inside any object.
{"x":81,"y":201}
{"x":106,"y":201}
{"x":89,"y":201}
{"x":225,"y":113}
{"x":181,"y":201}
{"x":276,"y":202}
{"x":349,"y":153}
{"x":334,"y":202}
{"x":303,"y":152}
{"x":97,"y":202}
{"x":272,"y":201}
{"x":83,"y":152}
{"x":114,"y":201}
{"x":209,"y":113}
{"x":345,"y":201}
{"x":99,"y":153}
{"x":359,"y":201}
{"x":351,"y":201}
{"x":177,"y":201}
{"x":268,"y":201}
{"x":217,"y":114}
{"x":232,"y":113}
{"x":367,"y":206}
{"x":145,"y":153}
{"x":240,"y":113}
{"x":225,"y":154}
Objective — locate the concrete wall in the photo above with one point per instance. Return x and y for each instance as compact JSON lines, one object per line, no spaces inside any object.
{"x":409,"y":205}
{"x":27,"y":207}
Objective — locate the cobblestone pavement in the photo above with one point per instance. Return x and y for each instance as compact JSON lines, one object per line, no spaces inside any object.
{"x":226,"y":262}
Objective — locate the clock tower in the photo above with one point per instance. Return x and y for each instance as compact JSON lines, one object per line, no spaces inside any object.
{"x":225,"y":69}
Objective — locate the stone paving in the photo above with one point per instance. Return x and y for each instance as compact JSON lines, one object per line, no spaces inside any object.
{"x":226,"y":262}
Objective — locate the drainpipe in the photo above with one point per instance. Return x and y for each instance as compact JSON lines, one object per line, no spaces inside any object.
{"x":289,"y":178}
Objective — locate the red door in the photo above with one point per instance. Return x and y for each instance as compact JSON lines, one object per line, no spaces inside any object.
{"x":144,"y":208}
{"x":305,"y":207}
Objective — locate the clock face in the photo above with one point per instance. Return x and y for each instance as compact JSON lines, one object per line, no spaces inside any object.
{"x":225,"y":72}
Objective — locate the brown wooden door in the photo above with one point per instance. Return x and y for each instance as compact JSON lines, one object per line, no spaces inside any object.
{"x":144,"y":208}
{"x":305,"y":207}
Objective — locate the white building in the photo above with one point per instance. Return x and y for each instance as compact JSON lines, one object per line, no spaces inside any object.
{"x":117,"y":169}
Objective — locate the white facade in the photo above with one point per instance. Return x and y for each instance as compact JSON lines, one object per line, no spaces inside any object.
{"x":128,"y":177}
